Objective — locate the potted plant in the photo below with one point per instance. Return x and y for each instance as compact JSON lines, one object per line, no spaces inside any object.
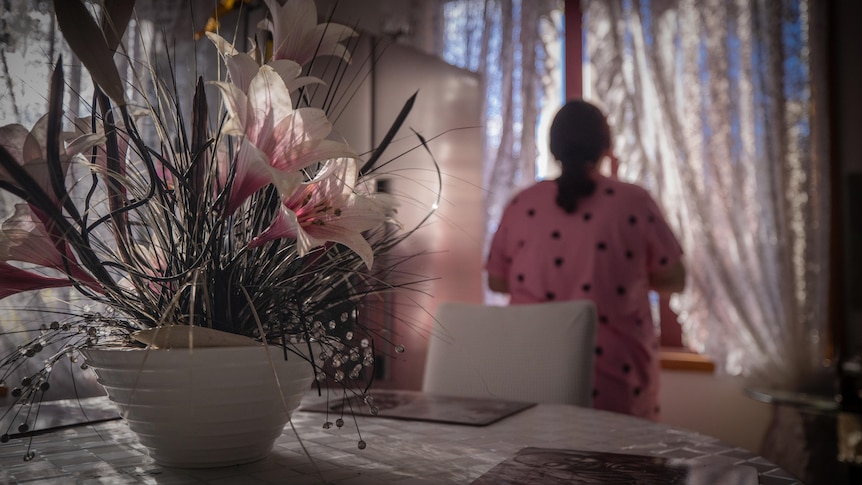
{"x":236,"y":241}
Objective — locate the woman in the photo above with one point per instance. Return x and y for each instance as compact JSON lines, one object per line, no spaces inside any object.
{"x":587,"y":236}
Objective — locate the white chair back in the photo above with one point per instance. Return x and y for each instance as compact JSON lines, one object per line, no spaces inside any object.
{"x":537,"y":352}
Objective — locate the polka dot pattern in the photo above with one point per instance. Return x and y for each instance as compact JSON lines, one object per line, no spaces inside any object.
{"x":600,"y":252}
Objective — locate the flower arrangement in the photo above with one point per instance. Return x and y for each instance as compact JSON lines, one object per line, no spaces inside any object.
{"x":250,"y":222}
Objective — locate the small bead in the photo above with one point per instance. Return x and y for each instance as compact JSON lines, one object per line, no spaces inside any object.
{"x":339,"y":422}
{"x":361,"y":445}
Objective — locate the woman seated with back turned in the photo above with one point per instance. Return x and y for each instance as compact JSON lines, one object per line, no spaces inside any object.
{"x":588,"y":236}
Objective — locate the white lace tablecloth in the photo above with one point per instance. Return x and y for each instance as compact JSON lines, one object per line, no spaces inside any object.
{"x":398,"y":451}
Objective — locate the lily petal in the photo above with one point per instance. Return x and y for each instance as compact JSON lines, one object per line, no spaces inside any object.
{"x":24,"y":238}
{"x":252,"y":173}
{"x":297,"y":35}
{"x":15,"y":280}
{"x":28,"y":148}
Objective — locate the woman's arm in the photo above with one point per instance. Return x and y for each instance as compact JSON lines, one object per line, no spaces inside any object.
{"x":498,"y":284}
{"x":668,"y":280}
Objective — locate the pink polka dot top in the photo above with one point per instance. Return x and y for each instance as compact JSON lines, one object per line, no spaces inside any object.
{"x":603,"y":252}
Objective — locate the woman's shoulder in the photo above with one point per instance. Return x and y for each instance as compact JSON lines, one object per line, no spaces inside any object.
{"x":536,"y":191}
{"x":625,"y":189}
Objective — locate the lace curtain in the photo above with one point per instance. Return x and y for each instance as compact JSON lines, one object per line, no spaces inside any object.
{"x":712,"y":104}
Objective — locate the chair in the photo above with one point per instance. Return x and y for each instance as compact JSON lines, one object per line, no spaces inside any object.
{"x":537,"y":352}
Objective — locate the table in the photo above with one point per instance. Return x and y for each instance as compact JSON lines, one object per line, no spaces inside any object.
{"x":400,"y":452}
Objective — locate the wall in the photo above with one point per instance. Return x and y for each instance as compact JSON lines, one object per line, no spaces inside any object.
{"x":713,"y":405}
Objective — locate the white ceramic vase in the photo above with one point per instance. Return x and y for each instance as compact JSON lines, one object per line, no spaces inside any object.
{"x":203,"y":407}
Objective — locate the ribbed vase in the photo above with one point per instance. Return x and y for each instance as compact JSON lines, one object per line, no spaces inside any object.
{"x":204,"y":407}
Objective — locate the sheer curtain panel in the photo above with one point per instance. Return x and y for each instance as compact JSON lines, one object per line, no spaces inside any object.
{"x":712,"y":103}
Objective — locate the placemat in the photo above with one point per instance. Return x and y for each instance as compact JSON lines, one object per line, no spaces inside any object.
{"x":419,"y":406}
{"x":550,"y":466}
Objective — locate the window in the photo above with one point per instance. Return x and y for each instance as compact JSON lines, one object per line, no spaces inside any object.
{"x":711,"y":106}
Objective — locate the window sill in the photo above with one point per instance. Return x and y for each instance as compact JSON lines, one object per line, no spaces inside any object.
{"x":678,"y":359}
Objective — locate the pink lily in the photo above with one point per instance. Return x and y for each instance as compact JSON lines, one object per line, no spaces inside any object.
{"x":27,"y":147}
{"x":244,"y":67}
{"x":329,"y":209}
{"x":287,"y":139}
{"x":15,"y":280}
{"x":24,"y":238}
{"x":297,"y":36}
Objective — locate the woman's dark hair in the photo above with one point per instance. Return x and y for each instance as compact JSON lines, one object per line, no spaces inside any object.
{"x":579,"y":136}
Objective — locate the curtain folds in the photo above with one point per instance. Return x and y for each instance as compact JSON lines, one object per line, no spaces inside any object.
{"x":711,"y":103}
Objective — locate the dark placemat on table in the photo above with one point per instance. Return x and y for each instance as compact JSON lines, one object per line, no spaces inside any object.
{"x":550,"y":466}
{"x":419,"y":406}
